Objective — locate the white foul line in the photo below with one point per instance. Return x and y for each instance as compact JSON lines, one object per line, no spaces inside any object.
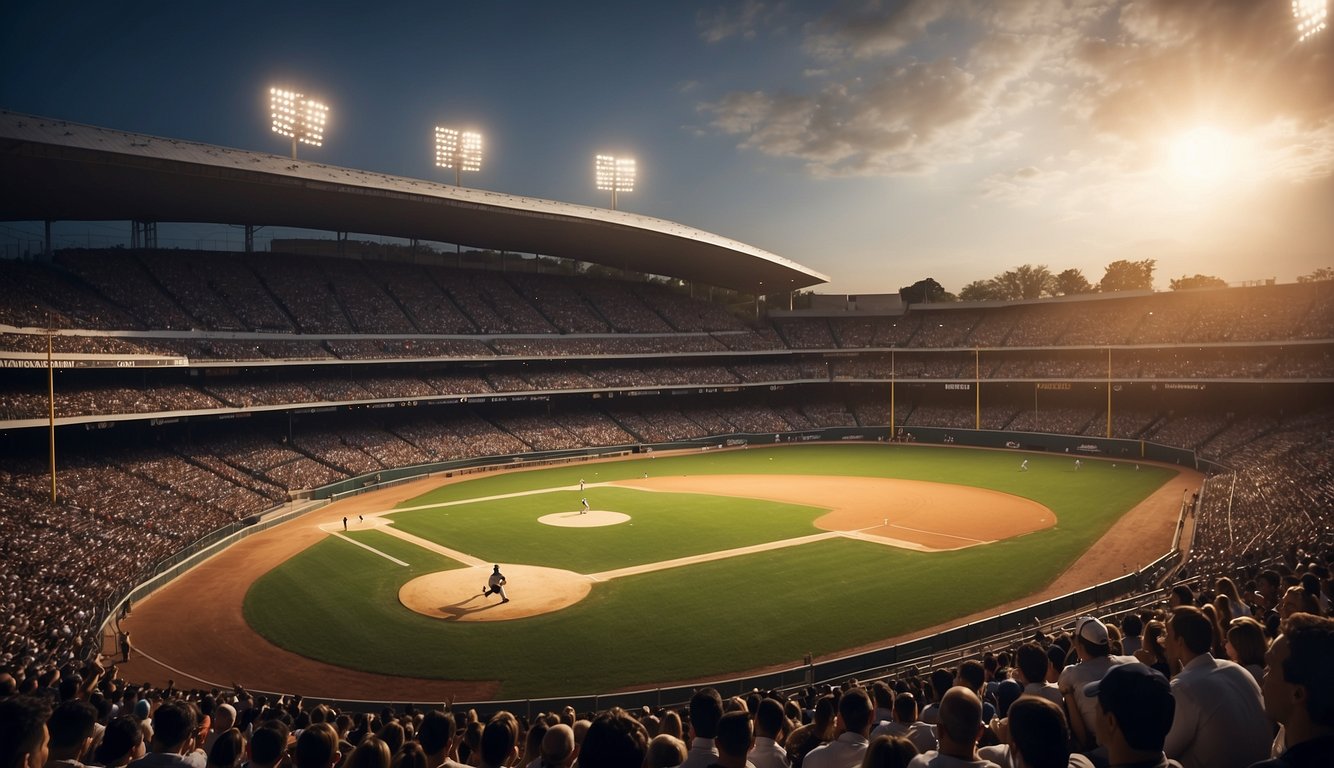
{"x":369,"y":548}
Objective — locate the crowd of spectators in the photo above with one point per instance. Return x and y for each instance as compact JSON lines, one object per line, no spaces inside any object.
{"x":205,"y":298}
{"x":1217,"y":676}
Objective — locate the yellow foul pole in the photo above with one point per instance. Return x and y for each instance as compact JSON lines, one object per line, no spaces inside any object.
{"x":977,"y":387}
{"x":1109,"y":393}
{"x":891,"y":394}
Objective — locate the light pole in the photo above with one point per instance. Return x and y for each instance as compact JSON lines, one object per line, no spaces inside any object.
{"x":460,"y":150}
{"x":614,"y":174}
{"x":292,"y":114}
{"x":1312,"y":17}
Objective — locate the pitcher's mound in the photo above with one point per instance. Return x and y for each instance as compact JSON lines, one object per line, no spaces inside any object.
{"x":457,"y":595}
{"x":593,"y":518}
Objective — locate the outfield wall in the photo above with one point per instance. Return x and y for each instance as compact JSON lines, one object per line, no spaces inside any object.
{"x":1075,"y":445}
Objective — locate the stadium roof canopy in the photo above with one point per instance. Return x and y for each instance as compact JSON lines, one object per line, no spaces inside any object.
{"x":60,"y":171}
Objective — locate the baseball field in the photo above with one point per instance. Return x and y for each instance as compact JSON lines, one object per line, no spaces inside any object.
{"x":683,"y":567}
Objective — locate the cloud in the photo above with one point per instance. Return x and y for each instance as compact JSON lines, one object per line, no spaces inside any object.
{"x":870,"y":30}
{"x":1026,"y":186}
{"x":726,"y":22}
{"x":915,"y":87}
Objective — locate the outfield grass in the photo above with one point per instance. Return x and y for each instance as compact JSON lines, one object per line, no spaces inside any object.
{"x":338,"y":603}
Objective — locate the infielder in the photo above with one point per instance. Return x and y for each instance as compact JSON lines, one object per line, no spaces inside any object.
{"x":496,"y":585}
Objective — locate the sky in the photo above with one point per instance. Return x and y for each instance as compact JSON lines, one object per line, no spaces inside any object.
{"x":877,"y":142}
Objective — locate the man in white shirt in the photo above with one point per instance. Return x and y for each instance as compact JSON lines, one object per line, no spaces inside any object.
{"x":1031,"y":672}
{"x":846,"y":751}
{"x":958,"y":731}
{"x":734,"y":740}
{"x":1093,"y":646}
{"x":1220,"y":717}
{"x":770,"y":726}
{"x":906,"y":724}
{"x":706,"y":709}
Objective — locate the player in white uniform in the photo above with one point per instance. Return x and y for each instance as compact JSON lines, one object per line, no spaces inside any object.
{"x":584,"y":511}
{"x":496,"y":585}
{"x":1023,"y":465}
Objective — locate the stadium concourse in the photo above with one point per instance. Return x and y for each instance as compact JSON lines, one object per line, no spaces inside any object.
{"x":240,"y":383}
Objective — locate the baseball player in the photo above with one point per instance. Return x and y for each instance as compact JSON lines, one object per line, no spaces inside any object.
{"x":496,"y":585}
{"x":584,"y":501}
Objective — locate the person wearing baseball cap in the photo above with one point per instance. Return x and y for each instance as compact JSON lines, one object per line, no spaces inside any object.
{"x":1092,"y":644}
{"x":1134,"y":711}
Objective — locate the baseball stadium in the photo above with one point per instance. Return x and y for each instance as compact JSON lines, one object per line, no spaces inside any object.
{"x":532,"y":462}
{"x":296,"y":470}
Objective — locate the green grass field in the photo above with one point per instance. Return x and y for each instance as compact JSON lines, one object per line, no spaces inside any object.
{"x":338,"y":603}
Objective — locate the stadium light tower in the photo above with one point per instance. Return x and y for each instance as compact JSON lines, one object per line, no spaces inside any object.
{"x":460,"y":150}
{"x":1312,"y":17}
{"x":292,"y":114}
{"x":614,"y":174}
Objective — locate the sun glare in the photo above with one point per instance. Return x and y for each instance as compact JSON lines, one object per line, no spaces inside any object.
{"x":1202,"y":154}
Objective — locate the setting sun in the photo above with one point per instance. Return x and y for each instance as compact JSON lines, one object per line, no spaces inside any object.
{"x":1202,"y":154}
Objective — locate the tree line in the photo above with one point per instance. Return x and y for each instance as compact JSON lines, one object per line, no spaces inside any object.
{"x":1030,"y":281}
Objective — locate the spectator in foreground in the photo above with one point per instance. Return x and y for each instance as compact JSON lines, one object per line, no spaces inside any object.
{"x":706,"y":709}
{"x":372,"y":752}
{"x":228,"y":749}
{"x":317,"y":747}
{"x":174,"y":731}
{"x":811,"y":735}
{"x":1220,"y":720}
{"x":848,"y":749}
{"x":906,"y":725}
{"x":958,"y":731}
{"x":614,"y":740}
{"x":1298,"y":693}
{"x":1093,"y":647}
{"x":1246,"y":646}
{"x":665,"y":751}
{"x":122,"y":742}
{"x":889,"y":752}
{"x":438,"y":739}
{"x":500,"y":740}
{"x":770,"y":724}
{"x":1038,"y":736}
{"x":268,"y":745}
{"x":1031,"y":672}
{"x":558,"y":748}
{"x":734,"y":740}
{"x":24,"y":739}
{"x":1151,"y":650}
{"x":71,"y":726}
{"x":1135,"y":710}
